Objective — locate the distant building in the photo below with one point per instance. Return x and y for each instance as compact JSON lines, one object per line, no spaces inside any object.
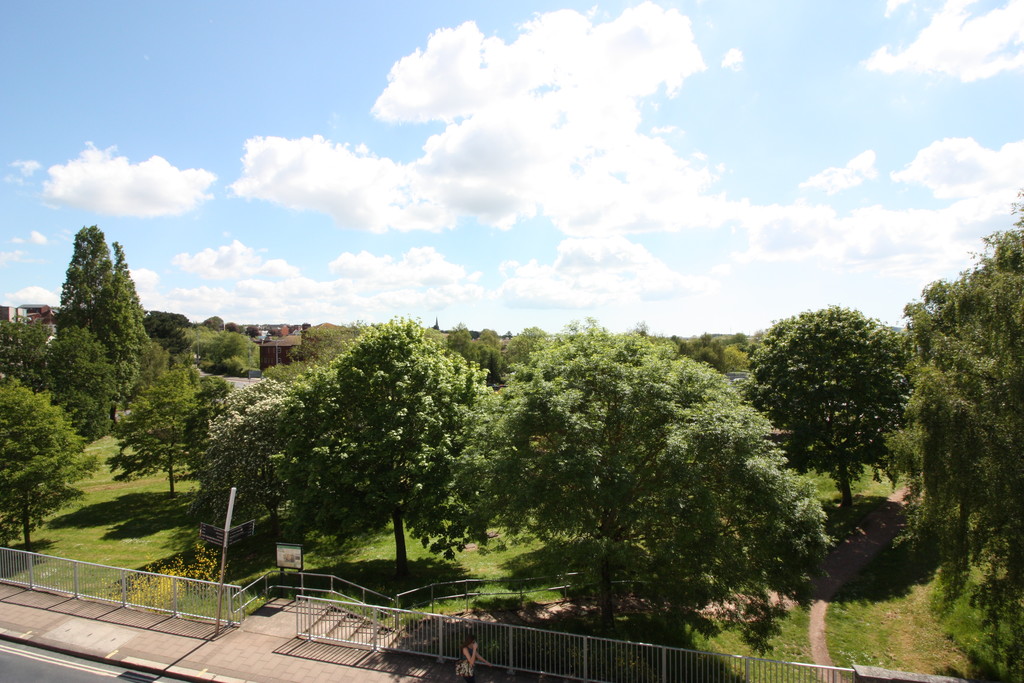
{"x":40,"y":314}
{"x":278,"y":351}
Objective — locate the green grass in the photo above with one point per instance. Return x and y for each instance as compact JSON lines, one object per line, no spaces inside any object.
{"x":885,"y":618}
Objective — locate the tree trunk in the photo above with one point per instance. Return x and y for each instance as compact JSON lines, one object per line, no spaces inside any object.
{"x":170,"y":478}
{"x":26,"y":529}
{"x":606,"y":599}
{"x":847,"y":494}
{"x":401,"y":561}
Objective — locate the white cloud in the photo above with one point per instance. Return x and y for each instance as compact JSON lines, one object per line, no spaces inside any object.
{"x":833,"y":180}
{"x":357,"y":189}
{"x":35,"y":237}
{"x":32,"y":295}
{"x":595,"y":272}
{"x":25,"y":170}
{"x":733,"y":60}
{"x":542,"y":125}
{"x":100,"y":182}
{"x":956,"y":168}
{"x":960,"y":44}
{"x":233,"y":260}
{"x":16,"y":256}
{"x":892,"y":5}
{"x":422,"y":279}
{"x":418,"y":267}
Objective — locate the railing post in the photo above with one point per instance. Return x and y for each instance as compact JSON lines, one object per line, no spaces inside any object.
{"x":174,"y":595}
{"x":511,"y":653}
{"x":74,"y":579}
{"x":376,"y":629}
{"x":124,"y":589}
{"x":31,"y":571}
{"x":586,"y":659}
{"x":664,"y":665}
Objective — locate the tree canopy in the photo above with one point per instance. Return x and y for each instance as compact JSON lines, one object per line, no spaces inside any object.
{"x":40,"y":460}
{"x":99,"y":295}
{"x":834,"y":382}
{"x":640,"y":467}
{"x":965,"y":434}
{"x":81,"y":380}
{"x":374,"y":437}
{"x":23,"y":353}
{"x":244,"y":444}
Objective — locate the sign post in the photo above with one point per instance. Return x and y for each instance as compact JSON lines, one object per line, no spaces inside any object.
{"x":224,"y":557}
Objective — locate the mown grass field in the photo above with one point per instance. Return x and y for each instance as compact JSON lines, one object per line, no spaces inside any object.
{"x":885,"y":618}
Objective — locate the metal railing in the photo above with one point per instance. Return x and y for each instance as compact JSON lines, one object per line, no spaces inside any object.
{"x":301,"y":583}
{"x":531,"y":650}
{"x":175,"y":595}
{"x":473,"y":589}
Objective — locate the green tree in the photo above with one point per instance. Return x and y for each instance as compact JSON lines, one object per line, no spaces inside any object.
{"x":168,"y":329}
{"x":23,"y":353}
{"x":243,"y":451}
{"x":375,"y":436}
{"x":324,"y":343}
{"x":639,"y":467}
{"x":523,"y":345}
{"x":81,"y":380}
{"x":40,"y":460}
{"x":834,"y":382}
{"x":98,"y":295}
{"x":158,"y":434}
{"x":155,"y":361}
{"x":965,"y":434}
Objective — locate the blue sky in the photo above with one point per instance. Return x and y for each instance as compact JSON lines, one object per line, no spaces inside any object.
{"x":695,"y":166}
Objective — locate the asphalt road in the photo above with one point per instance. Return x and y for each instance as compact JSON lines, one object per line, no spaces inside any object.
{"x":25,"y":664}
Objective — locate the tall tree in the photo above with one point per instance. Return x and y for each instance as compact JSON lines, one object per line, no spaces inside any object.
{"x":81,"y":380}
{"x":168,"y":329}
{"x":834,"y":382}
{"x":637,"y":466}
{"x":244,"y":444}
{"x":99,"y":295}
{"x":23,"y":353}
{"x":375,"y":437}
{"x":965,"y":439}
{"x":40,"y":460}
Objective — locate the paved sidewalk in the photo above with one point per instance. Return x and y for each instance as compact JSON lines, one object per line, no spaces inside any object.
{"x":263,"y":650}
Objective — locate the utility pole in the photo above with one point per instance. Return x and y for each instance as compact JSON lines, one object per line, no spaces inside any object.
{"x":223,"y":559}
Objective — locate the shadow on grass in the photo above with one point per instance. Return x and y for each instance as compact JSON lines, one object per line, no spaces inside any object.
{"x":841,"y":522}
{"x":133,"y":515}
{"x":892,"y":574}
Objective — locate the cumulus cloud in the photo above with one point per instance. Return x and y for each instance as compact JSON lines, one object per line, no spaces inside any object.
{"x":232,"y":261}
{"x":33,"y":295}
{"x":367,"y":284}
{"x":540,"y":125}
{"x":956,"y":168}
{"x":35,"y":237}
{"x":591,"y":272}
{"x":960,"y":44}
{"x":835,"y":179}
{"x":733,"y":60}
{"x":100,"y":182}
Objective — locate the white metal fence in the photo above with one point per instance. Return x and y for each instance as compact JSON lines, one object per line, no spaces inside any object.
{"x":174,"y":595}
{"x":520,"y":648}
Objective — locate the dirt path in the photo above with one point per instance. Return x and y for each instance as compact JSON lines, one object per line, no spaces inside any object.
{"x":874,"y":533}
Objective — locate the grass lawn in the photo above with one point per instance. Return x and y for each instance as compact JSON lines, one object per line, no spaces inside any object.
{"x":882,"y":619}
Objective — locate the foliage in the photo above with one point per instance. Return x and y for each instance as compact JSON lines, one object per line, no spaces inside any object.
{"x":214,"y":322}
{"x":155,"y":361}
{"x":40,"y":460}
{"x":166,"y":428}
{"x":82,"y":380}
{"x":966,"y":427}
{"x":725,"y":353}
{"x":244,"y":442}
{"x":23,"y":353}
{"x":639,"y":467}
{"x":833,"y":381}
{"x":376,"y":435}
{"x":523,"y":345}
{"x":98,"y":295}
{"x":168,"y":329}
{"x":324,"y":343}
{"x":228,"y":353}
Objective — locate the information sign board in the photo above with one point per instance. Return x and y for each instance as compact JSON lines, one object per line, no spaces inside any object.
{"x":289,"y":556}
